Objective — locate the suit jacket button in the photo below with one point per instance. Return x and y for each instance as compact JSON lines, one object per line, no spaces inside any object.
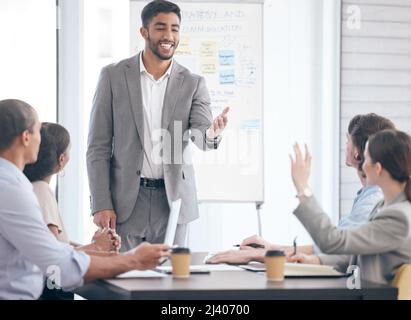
{"x":138,"y":172}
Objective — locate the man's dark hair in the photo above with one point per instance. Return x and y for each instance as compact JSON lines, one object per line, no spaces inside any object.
{"x":155,"y":7}
{"x":55,"y":140}
{"x":363,"y":126}
{"x":16,"y":116}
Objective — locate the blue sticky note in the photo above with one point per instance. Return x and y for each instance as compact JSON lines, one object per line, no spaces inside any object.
{"x":227,"y":76}
{"x":226,"y":57}
{"x":252,"y":124}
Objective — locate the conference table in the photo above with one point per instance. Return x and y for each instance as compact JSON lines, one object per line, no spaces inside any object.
{"x":232,"y":285}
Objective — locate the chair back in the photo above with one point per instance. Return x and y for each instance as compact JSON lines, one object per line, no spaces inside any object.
{"x":402,"y":281}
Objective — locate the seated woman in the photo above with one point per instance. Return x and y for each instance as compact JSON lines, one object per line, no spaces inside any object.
{"x":360,"y":128}
{"x":53,"y":155}
{"x":382,"y":244}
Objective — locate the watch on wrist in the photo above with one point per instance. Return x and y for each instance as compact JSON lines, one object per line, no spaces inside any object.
{"x":217,"y":141}
{"x":307,"y":193}
{"x":213,"y":142}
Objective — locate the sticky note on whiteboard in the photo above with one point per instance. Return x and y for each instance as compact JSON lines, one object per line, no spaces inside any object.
{"x":227,"y":76}
{"x":226,"y":57}
{"x":252,"y":124}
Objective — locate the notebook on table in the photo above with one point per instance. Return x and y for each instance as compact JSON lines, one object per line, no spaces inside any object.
{"x":295,"y":270}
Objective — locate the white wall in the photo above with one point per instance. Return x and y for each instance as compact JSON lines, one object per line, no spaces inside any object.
{"x":28,"y":54}
{"x":376,"y":71}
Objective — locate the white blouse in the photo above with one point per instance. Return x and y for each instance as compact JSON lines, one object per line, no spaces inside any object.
{"x":49,"y":208}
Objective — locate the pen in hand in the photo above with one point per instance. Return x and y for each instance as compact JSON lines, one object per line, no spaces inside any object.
{"x":295,"y":246}
{"x":164,"y":259}
{"x":252,"y":245}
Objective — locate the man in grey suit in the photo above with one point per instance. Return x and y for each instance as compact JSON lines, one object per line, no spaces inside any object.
{"x":145,"y":111}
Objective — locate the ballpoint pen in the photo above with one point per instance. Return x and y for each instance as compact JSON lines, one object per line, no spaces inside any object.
{"x":252,"y":245}
{"x":164,"y":259}
{"x":295,"y":246}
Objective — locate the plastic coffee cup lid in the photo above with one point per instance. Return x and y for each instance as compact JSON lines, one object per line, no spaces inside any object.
{"x":275,"y":253}
{"x":180,"y":250}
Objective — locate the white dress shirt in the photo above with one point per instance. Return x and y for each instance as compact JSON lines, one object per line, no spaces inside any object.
{"x":28,"y":250}
{"x":153,"y":92}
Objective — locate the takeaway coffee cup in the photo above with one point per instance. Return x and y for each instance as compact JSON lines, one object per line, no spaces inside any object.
{"x":275,"y":263}
{"x":180,"y":262}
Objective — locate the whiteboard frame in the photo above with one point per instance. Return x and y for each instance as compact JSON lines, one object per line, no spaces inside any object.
{"x":258,"y":203}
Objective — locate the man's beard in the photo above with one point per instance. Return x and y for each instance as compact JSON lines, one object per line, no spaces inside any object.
{"x":154,"y":50}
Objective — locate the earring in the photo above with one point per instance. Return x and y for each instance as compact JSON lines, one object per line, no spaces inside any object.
{"x":62,"y":173}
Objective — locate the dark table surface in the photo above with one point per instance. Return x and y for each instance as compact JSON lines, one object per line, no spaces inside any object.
{"x":231,"y":285}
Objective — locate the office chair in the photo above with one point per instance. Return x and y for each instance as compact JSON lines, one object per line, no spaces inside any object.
{"x":402,"y":281}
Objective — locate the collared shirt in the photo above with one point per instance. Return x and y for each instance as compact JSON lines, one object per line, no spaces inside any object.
{"x":28,"y":250}
{"x":364,"y":203}
{"x":153,"y":92}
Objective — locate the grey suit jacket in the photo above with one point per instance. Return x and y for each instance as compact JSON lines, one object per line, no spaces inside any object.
{"x":378,"y":247}
{"x":116,"y":136}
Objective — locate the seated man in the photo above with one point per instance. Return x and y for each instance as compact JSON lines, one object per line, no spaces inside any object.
{"x":28,"y":251}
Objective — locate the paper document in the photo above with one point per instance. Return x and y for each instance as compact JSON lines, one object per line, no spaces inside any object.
{"x":208,"y":267}
{"x":141,"y":274}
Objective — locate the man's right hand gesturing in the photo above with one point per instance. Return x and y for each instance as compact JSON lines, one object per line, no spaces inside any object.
{"x":105,"y":219}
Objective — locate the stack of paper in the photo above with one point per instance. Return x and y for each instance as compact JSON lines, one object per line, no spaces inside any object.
{"x":141,"y":274}
{"x":208,"y":267}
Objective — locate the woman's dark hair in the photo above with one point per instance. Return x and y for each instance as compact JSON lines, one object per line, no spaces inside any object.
{"x":360,"y":129}
{"x":16,"y":116}
{"x":158,"y":6}
{"x":55,"y":140}
{"x":392,"y":149}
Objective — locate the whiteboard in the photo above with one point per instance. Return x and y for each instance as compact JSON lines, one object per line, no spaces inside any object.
{"x":223,"y":41}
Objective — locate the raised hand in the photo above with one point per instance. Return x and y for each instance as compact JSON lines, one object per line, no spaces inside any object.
{"x":300,"y":168}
